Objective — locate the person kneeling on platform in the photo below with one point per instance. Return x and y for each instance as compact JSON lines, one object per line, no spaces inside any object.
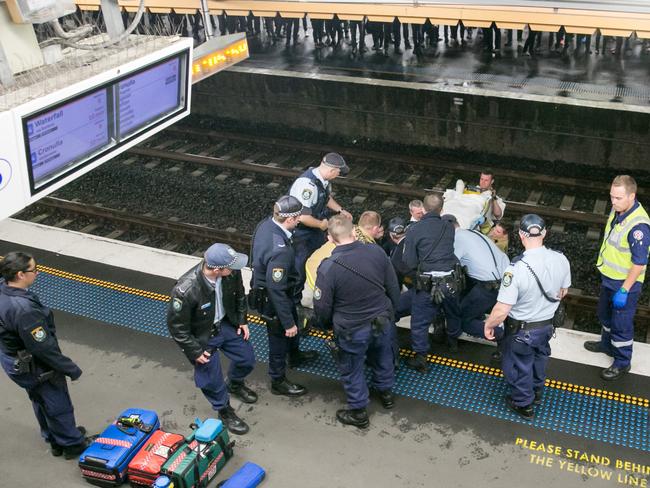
{"x":207,"y":312}
{"x":357,"y":292}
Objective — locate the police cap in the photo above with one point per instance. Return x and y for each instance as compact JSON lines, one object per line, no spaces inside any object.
{"x":396,"y":225}
{"x":289,"y":206}
{"x":532,"y":225}
{"x":222,"y":256}
{"x":335,"y":160}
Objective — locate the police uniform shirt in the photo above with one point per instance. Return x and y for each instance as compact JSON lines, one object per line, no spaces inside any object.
{"x":639,"y":241}
{"x":519,"y":287}
{"x":306,"y":191}
{"x":473,"y":251}
{"x":273,"y":268}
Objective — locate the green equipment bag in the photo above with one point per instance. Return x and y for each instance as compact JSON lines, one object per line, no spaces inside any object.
{"x":193,"y":463}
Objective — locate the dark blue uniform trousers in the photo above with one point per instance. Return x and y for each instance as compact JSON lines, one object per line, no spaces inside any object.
{"x":209,"y":378}
{"x":473,"y":307}
{"x":525,"y":355}
{"x":424,"y":311}
{"x":279,"y":347}
{"x":51,"y":403}
{"x":618,"y":326}
{"x":364,"y":343}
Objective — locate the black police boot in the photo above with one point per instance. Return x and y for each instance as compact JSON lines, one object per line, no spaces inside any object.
{"x":496,"y":357}
{"x":239,"y":390}
{"x":452,"y":343}
{"x":57,"y":450}
{"x":418,"y":363}
{"x":387,"y":399}
{"x":595,"y":346}
{"x":354,"y":416}
{"x":232,"y":422}
{"x":526,"y":412}
{"x":538,"y":397}
{"x":73,"y":452}
{"x":302,"y":358}
{"x":286,"y":388}
{"x":613,"y":373}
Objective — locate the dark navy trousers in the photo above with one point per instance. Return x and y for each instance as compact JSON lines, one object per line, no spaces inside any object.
{"x":617,"y":334}
{"x":525,"y":356}
{"x":209,"y":377}
{"x":424,"y":311}
{"x":355,"y":347}
{"x":474,"y":305}
{"x":51,"y":403}
{"x":279,"y":347}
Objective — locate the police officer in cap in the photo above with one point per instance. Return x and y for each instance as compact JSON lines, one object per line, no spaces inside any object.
{"x":357,"y":292}
{"x":531,"y":290}
{"x":314,"y":191}
{"x":207,"y":312}
{"x":31,"y":356}
{"x":275,"y":279}
{"x":429,"y":250}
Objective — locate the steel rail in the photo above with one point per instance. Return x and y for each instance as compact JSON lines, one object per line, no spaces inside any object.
{"x":370,"y":186}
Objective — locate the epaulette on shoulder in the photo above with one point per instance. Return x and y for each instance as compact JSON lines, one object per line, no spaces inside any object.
{"x":516,"y":259}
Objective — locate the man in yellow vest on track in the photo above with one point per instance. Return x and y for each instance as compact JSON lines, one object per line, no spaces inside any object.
{"x":622,"y":262}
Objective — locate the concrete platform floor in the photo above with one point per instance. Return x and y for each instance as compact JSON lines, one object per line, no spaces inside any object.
{"x":299,"y":441}
{"x":576,"y":75}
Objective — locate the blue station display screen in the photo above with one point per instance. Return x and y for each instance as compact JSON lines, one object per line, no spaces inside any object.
{"x":64,"y":137}
{"x":148,"y":95}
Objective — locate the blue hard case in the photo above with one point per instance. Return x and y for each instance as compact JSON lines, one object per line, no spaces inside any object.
{"x":106,"y":460}
{"x":248,"y":476}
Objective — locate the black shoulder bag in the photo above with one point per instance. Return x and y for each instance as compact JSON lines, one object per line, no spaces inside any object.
{"x":560,"y":312}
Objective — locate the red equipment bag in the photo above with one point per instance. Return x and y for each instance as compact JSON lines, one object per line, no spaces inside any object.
{"x":145,"y":466}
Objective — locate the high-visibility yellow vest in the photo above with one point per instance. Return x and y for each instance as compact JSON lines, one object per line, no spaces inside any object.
{"x":615,"y":258}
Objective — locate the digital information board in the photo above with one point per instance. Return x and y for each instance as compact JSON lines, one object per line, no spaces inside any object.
{"x":148,"y":95}
{"x":63,"y":137}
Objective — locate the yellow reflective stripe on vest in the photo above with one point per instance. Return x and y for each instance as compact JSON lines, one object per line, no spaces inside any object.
{"x":615,"y":256}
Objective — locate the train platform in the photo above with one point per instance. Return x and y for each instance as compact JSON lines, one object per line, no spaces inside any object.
{"x":603,"y":80}
{"x":449,"y":424}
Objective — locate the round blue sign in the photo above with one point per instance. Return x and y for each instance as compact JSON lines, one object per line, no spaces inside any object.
{"x":5,"y":173}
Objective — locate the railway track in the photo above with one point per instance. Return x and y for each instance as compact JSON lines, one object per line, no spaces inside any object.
{"x":408,"y":176}
{"x":141,"y":229}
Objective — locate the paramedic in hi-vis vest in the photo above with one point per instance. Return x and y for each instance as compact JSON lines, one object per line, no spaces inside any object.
{"x":622,"y":263}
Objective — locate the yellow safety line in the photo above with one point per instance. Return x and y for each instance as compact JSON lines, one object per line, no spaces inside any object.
{"x":432,"y":358}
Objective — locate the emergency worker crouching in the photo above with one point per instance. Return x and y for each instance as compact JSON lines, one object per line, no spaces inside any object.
{"x":357,"y":292}
{"x":314,"y":191}
{"x":273,"y":293}
{"x":207,"y":312}
{"x":31,"y":356}
{"x":531,"y":290}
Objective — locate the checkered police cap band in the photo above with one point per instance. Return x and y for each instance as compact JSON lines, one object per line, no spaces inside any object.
{"x":223,"y":266}
{"x":287,"y":214}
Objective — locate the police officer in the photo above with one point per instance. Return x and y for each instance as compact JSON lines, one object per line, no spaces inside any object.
{"x":357,"y":292}
{"x":274,"y":280}
{"x":622,"y":262}
{"x":207,"y":312}
{"x":429,"y":250}
{"x":31,"y":356}
{"x":531,"y":289}
{"x":313,"y":190}
{"x":485,"y":264}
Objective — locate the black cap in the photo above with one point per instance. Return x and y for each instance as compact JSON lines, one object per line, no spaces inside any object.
{"x":532,"y":224}
{"x":288,"y":206}
{"x":396,"y":225}
{"x":335,"y":160}
{"x":449,"y":218}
